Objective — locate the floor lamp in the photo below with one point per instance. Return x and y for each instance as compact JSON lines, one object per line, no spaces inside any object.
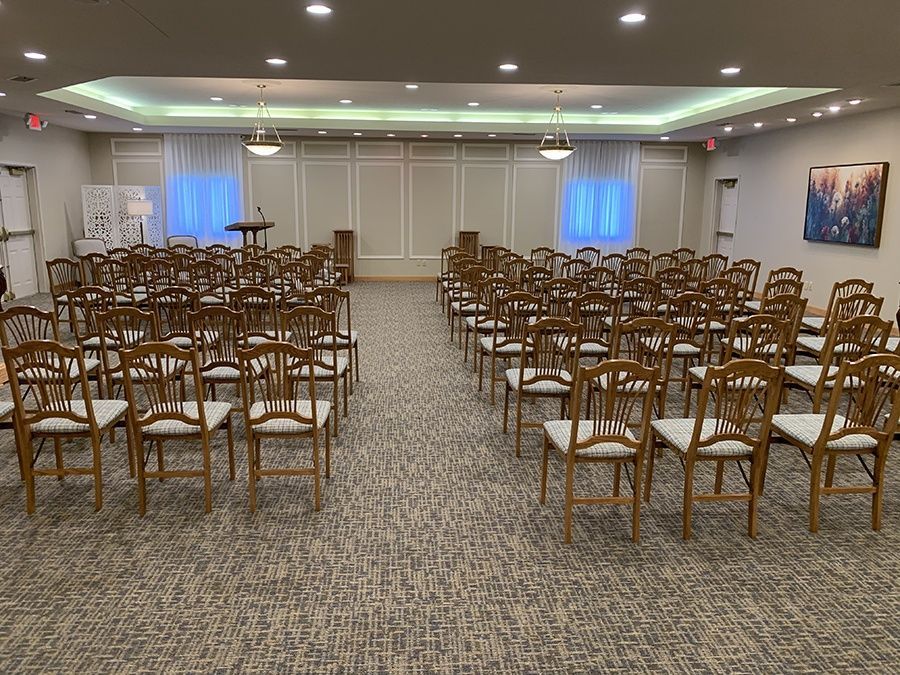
{"x":140,"y":207}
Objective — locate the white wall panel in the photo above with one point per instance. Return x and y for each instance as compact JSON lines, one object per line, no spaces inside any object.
{"x":326,"y":200}
{"x":432,"y":208}
{"x":484,"y":200}
{"x":273,"y":186}
{"x":535,"y":206}
{"x":379,"y":210}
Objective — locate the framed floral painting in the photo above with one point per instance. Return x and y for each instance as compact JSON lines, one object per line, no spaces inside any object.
{"x":845,"y":203}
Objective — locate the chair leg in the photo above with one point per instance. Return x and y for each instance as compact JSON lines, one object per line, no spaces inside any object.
{"x":651,"y":451}
{"x":251,"y":470}
{"x":207,"y":475}
{"x":688,"y":499}
{"x":617,"y":479}
{"x":546,"y":461}
{"x":334,"y":403}
{"x":129,"y":442}
{"x":98,"y":472}
{"x":160,"y":458}
{"x":505,"y":408}
{"x":519,"y":423}
{"x":829,"y":470}
{"x":228,"y":424}
{"x":141,"y":479}
{"x":877,"y":483}
{"x":316,"y":488}
{"x":57,"y":451}
{"x":327,"y":453}
{"x":570,"y":500}
{"x":345,"y":393}
{"x":636,"y":503}
{"x":720,"y":476}
{"x":815,"y":483}
{"x":755,"y":465}
{"x":356,"y":358}
{"x":27,"y":460}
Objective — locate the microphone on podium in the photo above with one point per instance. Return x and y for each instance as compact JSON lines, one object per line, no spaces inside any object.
{"x":265,"y":234}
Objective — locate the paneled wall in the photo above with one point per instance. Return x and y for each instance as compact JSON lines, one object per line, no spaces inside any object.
{"x":408,"y":199}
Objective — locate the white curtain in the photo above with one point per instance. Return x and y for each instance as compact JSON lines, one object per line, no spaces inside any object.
{"x":599,"y":200}
{"x":204,"y":186}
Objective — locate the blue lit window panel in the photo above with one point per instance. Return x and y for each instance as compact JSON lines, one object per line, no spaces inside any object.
{"x":202,"y":205}
{"x":598,"y":211}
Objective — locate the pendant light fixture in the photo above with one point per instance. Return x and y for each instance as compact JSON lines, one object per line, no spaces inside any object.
{"x":258,"y":144}
{"x":554,"y":146}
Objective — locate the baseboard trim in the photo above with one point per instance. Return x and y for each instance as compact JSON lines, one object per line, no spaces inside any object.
{"x":430,"y":277}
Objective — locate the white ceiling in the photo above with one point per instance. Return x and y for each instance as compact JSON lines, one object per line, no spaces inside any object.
{"x":165,"y":53}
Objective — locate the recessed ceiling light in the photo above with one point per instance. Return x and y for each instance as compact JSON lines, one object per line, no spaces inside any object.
{"x":2,"y":93}
{"x":318,"y":9}
{"x":391,"y":135}
{"x":790,"y":120}
{"x":818,"y":113}
{"x":357,"y":133}
{"x":137,"y":128}
{"x":855,"y":101}
{"x":728,"y":128}
{"x":492,"y":135}
{"x":345,"y":101}
{"x":473,"y":104}
{"x":276,"y":62}
{"x":90,"y":117}
{"x":834,"y":108}
{"x":509,"y":67}
{"x":424,"y":135}
{"x":322,"y":132}
{"x":730,"y":70}
{"x":412,"y":86}
{"x":757,"y":124}
{"x":35,"y":56}
{"x":596,"y":106}
{"x":215,"y":98}
{"x":663,"y":138}
{"x":633,"y":17}
{"x":457,"y":135}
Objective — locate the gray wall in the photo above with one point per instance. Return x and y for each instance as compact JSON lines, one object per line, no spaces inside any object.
{"x":772,"y":171}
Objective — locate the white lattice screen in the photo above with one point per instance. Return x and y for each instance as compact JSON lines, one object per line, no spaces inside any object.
{"x":106,"y":216}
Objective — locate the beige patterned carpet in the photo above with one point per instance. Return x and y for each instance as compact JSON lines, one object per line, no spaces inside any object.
{"x":431,"y":553}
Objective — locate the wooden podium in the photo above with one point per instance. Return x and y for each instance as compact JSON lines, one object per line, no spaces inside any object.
{"x":249,"y":228}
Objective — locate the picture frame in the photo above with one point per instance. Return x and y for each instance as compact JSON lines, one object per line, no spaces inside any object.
{"x":845,"y":203}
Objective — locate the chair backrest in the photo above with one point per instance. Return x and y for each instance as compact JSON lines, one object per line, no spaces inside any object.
{"x":446,"y":254}
{"x":333,"y":299}
{"x":218,"y":248}
{"x":867,"y":396}
{"x":780,"y":273}
{"x":854,"y":338}
{"x":856,"y":304}
{"x":641,"y":295}
{"x":724,"y":295}
{"x":843,"y":289}
{"x":649,"y":341}
{"x":572,"y":268}
{"x":87,"y":302}
{"x":695,"y":269}
{"x":555,"y":261}
{"x":516,"y":309}
{"x":27,"y":324}
{"x":273,"y":266}
{"x":253,"y":250}
{"x":638,"y":253}
{"x":119,"y":253}
{"x":208,"y":279}
{"x":591,"y":254}
{"x":691,"y":314}
{"x":116,"y":276}
{"x":182,"y":240}
{"x":549,"y":350}
{"x":684,"y":254}
{"x":260,"y":309}
{"x":156,"y":376}
{"x":715,"y":264}
{"x":613,"y":261}
{"x":218,"y":334}
{"x":731,"y":396}
{"x":614,"y":408}
{"x":742,"y":278}
{"x":488,"y":293}
{"x":753,"y":267}
{"x":83,"y":247}
{"x":534,"y":278}
{"x":158,"y":274}
{"x":252,"y":272}
{"x":64,"y":275}
{"x":277,"y":375}
{"x":123,"y":328}
{"x":632,"y":268}
{"x":591,"y":311}
{"x":782,"y":286}
{"x":171,"y":308}
{"x":44,"y":368}
{"x":539,"y":255}
{"x":557,"y":297}
{"x":313,"y":329}
{"x":761,"y":337}
{"x":786,"y":307}
{"x":662,"y":261}
{"x":672,"y":281}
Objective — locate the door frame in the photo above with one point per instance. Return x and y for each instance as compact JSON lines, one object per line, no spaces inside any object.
{"x":37,"y":220}
{"x":716,"y":202}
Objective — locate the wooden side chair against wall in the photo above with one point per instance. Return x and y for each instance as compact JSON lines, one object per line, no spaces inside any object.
{"x":726,"y":428}
{"x":65,"y":276}
{"x":684,"y":254}
{"x":546,"y":369}
{"x":818,"y":325}
{"x":650,"y":342}
{"x":516,"y":310}
{"x":761,"y":337}
{"x":604,"y":437}
{"x":861,"y":420}
{"x":335,"y":300}
{"x":489,"y":291}
{"x":155,"y":373}
{"x":314,"y":329}
{"x":466,"y":303}
{"x":540,"y":254}
{"x":444,"y":275}
{"x":281,"y":404}
{"x":63,"y":410}
{"x":858,"y":304}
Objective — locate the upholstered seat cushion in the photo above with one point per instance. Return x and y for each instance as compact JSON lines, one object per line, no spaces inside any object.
{"x":699,"y":373}
{"x":216,"y":412}
{"x":230,"y":373}
{"x":127,"y":299}
{"x":321,"y":371}
{"x":37,"y":374}
{"x":809,"y":375}
{"x":717,"y":327}
{"x":169,"y":366}
{"x":105,"y":412}
{"x":341,"y":341}
{"x":892,"y":344}
{"x":508,"y":349}
{"x":680,"y":349}
{"x":586,"y":348}
{"x":813,"y":322}
{"x":752,"y":305}
{"x":741,"y":344}
{"x":560,"y":431}
{"x":6,"y":408}
{"x":677,"y":434}
{"x":815,"y":344}
{"x":806,"y":429}
{"x":542,"y":386}
{"x":211,"y":300}
{"x":255,"y":340}
{"x":288,"y":426}
{"x":633,"y":387}
{"x":468,"y":308}
{"x":132,"y":339}
{"x":184,"y":342}
{"x":485,"y":325}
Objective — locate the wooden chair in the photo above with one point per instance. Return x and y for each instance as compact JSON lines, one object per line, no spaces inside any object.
{"x":515,"y":311}
{"x":87,"y":302}
{"x":335,"y":300}
{"x":571,"y":269}
{"x":662,"y":261}
{"x":64,"y":275}
{"x":724,"y":429}
{"x":818,"y":325}
{"x":714,"y":265}
{"x":158,"y":274}
{"x":690,"y":313}
{"x":260,"y":307}
{"x":116,"y":276}
{"x":742,"y":278}
{"x":218,"y":248}
{"x":752,"y":266}
{"x":861,"y":420}
{"x":638,"y":253}
{"x":640,"y":296}
{"x":613,"y":261}
{"x":465,"y":301}
{"x":281,"y":404}
{"x":684,"y":254}
{"x":672,"y":281}
{"x":208,"y":280}
{"x":171,"y":308}
{"x":557,"y":296}
{"x":773,"y":288}
{"x":696,"y":273}
{"x":489,"y":291}
{"x":155,"y":373}
{"x":650,"y":342}
{"x":555,"y":262}
{"x":781,"y":273}
{"x":858,"y":304}
{"x":604,"y":437}
{"x":314,"y":329}
{"x":533,"y":279}
{"x":632,"y":268}
{"x":787,"y":307}
{"x":546,"y":367}
{"x":218,"y":333}
{"x":540,"y":254}
{"x":725,"y":295}
{"x":593,"y":311}
{"x":848,"y":339}
{"x":444,"y":275}
{"x":591,"y":254}
{"x":63,"y":411}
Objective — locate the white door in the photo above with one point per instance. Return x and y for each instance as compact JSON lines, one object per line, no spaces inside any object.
{"x":18,"y":236}
{"x":727,"y":217}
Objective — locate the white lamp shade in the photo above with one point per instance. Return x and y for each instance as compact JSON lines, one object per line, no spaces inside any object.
{"x":139,"y":207}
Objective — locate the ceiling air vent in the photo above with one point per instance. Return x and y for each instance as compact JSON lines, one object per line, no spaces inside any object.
{"x":22,"y":78}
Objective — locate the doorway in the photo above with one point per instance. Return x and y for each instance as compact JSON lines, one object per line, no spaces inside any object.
{"x":17,"y":234}
{"x":725,"y":215}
